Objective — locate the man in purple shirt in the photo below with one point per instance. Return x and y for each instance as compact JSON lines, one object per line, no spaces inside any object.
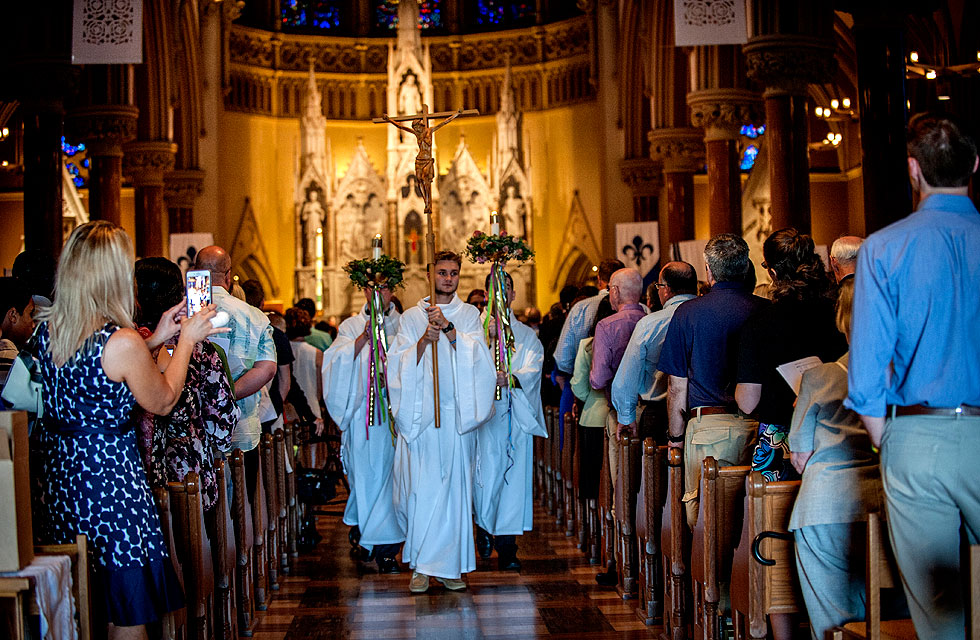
{"x":612,"y":334}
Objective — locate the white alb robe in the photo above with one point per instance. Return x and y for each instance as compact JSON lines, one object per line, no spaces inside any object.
{"x":434,"y":473}
{"x":368,"y":461}
{"x":502,"y":497}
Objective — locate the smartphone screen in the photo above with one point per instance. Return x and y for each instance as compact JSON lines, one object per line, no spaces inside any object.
{"x":170,"y":349}
{"x":198,"y":291}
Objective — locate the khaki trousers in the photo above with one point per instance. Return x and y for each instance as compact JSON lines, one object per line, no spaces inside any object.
{"x":728,"y":438}
{"x":611,"y":422}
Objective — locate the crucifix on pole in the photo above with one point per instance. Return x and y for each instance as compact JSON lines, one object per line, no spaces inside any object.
{"x":424,"y":174}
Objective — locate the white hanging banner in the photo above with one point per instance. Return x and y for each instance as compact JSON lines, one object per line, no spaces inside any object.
{"x":107,"y":32}
{"x":638,"y":245}
{"x":184,"y":248}
{"x":692,"y":252}
{"x":704,"y":22}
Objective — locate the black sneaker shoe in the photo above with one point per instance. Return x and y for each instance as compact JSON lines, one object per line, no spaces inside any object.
{"x":484,"y":543}
{"x":354,"y":536}
{"x":508,"y":562}
{"x":388,"y":566}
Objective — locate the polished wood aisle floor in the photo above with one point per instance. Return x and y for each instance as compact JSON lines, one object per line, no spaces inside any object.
{"x":327,"y":595}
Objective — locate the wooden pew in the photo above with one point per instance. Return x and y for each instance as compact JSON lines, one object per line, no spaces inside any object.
{"x":722,"y":495}
{"x":581,"y":508}
{"x":282,"y":528}
{"x":673,"y":534}
{"x":630,"y":453}
{"x":194,"y":553}
{"x":174,"y":624}
{"x":241,"y":516}
{"x":81,"y":579}
{"x":759,"y":590}
{"x":260,"y":546}
{"x":557,"y":482}
{"x":268,"y":464}
{"x":654,"y":493}
{"x":568,"y":473}
{"x":607,"y":519}
{"x":548,"y":495}
{"x":225,"y":560}
{"x":292,"y":505}
{"x":880,"y":572}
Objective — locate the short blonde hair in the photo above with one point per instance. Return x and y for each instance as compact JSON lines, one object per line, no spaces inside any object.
{"x":93,"y":286}
{"x":845,"y":305}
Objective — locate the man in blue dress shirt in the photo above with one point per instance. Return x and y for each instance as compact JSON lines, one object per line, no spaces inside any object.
{"x":914,"y":372}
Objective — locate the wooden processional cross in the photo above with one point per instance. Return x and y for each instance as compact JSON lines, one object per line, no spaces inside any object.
{"x":424,"y":174}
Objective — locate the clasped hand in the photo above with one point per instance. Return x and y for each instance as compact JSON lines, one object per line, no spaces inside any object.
{"x":437,"y":321}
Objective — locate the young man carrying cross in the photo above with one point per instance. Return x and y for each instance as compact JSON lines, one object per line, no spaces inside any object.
{"x":435,"y":476}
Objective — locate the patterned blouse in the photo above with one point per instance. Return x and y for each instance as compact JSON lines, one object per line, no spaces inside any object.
{"x":200,"y":423}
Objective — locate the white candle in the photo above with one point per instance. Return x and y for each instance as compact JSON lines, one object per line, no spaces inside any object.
{"x":494,"y":225}
{"x":376,"y":244}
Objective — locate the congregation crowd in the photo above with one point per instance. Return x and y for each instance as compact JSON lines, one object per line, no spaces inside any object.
{"x":861,"y":377}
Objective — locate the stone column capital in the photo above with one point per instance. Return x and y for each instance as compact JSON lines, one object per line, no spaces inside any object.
{"x":104,"y":128}
{"x":145,"y":162}
{"x":722,"y":112}
{"x":678,"y":150}
{"x":182,"y":187}
{"x":787,"y":64}
{"x":643,"y":175}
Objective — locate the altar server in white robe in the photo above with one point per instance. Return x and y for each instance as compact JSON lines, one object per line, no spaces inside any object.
{"x":436,"y":472}
{"x":367,"y":446}
{"x":502,"y":493}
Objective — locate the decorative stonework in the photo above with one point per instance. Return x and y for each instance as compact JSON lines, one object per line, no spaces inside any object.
{"x":722,"y":112}
{"x":788,"y":64}
{"x":182,"y":187}
{"x":109,"y":22}
{"x":145,"y":163}
{"x":678,"y":150}
{"x":643,"y":176}
{"x":103,"y":127}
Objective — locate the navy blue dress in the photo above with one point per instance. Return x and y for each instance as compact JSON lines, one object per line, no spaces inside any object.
{"x":89,"y":480}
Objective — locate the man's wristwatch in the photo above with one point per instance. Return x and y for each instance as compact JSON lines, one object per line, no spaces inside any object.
{"x":449,"y":327}
{"x":675,"y":439}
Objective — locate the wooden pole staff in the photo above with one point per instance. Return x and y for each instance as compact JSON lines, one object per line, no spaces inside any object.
{"x":424,"y":174}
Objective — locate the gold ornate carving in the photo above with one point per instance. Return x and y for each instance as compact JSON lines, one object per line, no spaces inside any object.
{"x":788,"y":64}
{"x":182,"y":187}
{"x":722,"y":112}
{"x":643,"y":175}
{"x":103,"y":127}
{"x":679,"y":150}
{"x":145,"y":162}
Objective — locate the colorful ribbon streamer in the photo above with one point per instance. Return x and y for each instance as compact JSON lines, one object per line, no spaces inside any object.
{"x":501,"y":341}
{"x":378,"y":407}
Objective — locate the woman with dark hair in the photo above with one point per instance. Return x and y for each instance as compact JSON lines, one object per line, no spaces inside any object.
{"x":309,"y":360}
{"x":800,"y":323}
{"x":202,"y":421}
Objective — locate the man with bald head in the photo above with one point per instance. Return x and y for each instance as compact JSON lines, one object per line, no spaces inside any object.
{"x":251,"y":354}
{"x":843,"y":257}
{"x":637,"y":377}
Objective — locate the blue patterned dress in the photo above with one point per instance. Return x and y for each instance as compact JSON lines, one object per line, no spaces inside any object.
{"x":89,"y":480}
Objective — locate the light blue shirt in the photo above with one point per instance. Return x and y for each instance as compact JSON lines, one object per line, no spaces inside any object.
{"x":580,"y":319}
{"x":637,"y":375}
{"x":249,"y":341}
{"x":917,"y":307}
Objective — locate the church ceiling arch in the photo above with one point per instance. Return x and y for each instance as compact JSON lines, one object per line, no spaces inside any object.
{"x":248,"y":252}
{"x":577,"y":244}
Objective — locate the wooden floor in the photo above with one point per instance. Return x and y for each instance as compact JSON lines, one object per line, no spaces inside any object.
{"x":327,"y":595}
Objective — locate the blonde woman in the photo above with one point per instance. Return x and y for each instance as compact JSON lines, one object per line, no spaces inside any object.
{"x":88,"y":475}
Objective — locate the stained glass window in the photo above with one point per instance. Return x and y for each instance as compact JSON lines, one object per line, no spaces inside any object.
{"x":311,"y":14}
{"x":503,"y":12}
{"x":753,"y":131}
{"x":748,"y":157}
{"x":76,"y":161}
{"x":430,"y":14}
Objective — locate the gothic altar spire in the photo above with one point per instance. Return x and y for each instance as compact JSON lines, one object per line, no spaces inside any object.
{"x":313,"y":132}
{"x":409,"y":38}
{"x":508,"y":125}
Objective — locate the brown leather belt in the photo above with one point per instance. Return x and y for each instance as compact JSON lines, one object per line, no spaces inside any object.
{"x":713,"y":411}
{"x":922,"y":410}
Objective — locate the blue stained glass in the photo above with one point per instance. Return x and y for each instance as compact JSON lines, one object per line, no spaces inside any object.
{"x":319,"y":14}
{"x":85,"y":163}
{"x":496,"y":12}
{"x":748,"y":157}
{"x":69,"y":149}
{"x":70,"y":152}
{"x":753,"y":131}
{"x":430,"y":14}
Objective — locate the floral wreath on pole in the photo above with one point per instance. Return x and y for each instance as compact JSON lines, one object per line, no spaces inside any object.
{"x":499,"y":249}
{"x":368,"y":274}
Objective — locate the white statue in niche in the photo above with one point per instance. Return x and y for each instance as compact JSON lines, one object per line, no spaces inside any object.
{"x":513,"y":211}
{"x":311,"y":217}
{"x":409,"y":96}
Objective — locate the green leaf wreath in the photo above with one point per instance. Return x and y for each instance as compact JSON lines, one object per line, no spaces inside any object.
{"x":482,"y":248}
{"x":369,"y":272}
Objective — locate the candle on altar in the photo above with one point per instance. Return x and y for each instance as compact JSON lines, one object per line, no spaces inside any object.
{"x":376,"y":245}
{"x":494,"y":224}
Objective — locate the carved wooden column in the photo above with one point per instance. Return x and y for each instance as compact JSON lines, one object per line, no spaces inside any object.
{"x":681,"y":153}
{"x":146,"y":163}
{"x":104,"y":128}
{"x":181,"y":188}
{"x":721,"y":113}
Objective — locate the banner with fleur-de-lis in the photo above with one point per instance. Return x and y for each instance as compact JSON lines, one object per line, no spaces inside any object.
{"x":107,"y":32}
{"x":638,"y":246}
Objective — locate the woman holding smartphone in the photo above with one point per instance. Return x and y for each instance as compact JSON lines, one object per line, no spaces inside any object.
{"x":88,"y":476}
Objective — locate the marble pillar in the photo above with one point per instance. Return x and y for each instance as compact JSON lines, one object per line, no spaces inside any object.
{"x":680,"y":152}
{"x":181,"y":188}
{"x":145,"y":163}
